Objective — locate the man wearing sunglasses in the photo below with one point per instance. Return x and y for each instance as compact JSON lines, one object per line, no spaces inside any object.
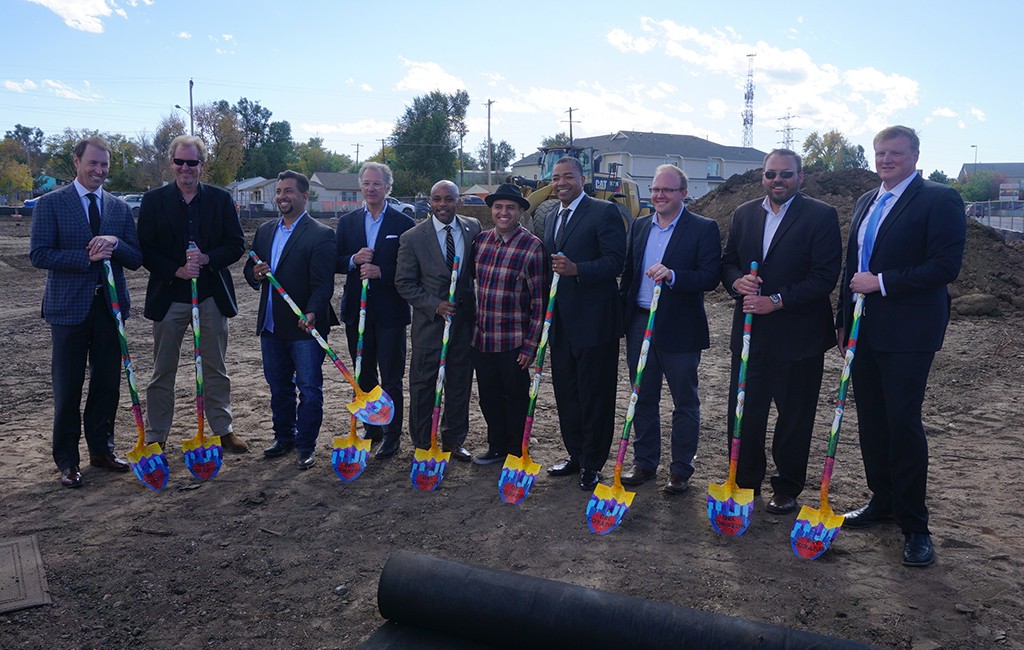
{"x":170,"y":219}
{"x":796,"y":243}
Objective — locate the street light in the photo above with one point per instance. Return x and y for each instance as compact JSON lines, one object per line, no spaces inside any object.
{"x":191,"y":121}
{"x":975,"y":147}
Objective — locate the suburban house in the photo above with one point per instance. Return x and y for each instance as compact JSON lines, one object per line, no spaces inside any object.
{"x":334,"y":192}
{"x":1014,"y":172}
{"x":635,"y":154}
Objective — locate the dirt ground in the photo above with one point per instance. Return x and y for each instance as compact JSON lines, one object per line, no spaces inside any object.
{"x":264,"y":555}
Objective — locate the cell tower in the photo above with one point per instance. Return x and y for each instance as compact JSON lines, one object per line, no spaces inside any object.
{"x":787,"y":131}
{"x":748,"y":104}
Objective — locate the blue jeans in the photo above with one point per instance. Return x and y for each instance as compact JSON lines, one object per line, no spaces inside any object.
{"x":288,"y":365}
{"x":680,"y":370}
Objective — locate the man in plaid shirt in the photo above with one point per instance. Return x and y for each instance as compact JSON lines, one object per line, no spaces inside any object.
{"x":509,"y":318}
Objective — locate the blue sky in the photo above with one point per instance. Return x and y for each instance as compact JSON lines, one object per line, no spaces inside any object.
{"x":345,"y":71}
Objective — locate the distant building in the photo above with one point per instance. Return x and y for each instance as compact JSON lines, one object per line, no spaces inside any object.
{"x":637,"y":154}
{"x":250,"y":193}
{"x":335,"y":192}
{"x":1014,"y":172}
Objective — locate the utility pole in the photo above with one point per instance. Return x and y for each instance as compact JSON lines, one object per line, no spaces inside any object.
{"x":383,"y":160}
{"x":571,"y":109}
{"x":490,"y":146}
{"x":191,"y":121}
{"x":748,"y":104}
{"x":357,"y":153}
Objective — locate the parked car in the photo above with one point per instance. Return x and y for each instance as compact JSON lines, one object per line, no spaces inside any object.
{"x":31,"y":203}
{"x":134,"y":201}
{"x":422,"y":209}
{"x":472,"y":199}
{"x":402,"y":207}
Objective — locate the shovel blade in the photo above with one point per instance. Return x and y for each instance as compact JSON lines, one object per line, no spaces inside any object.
{"x":814,"y":530}
{"x":517,"y":478}
{"x":428,"y":466}
{"x":730,"y":508}
{"x":203,"y":456}
{"x":150,"y":465}
{"x":607,"y":506}
{"x":375,"y":407}
{"x":350,"y":456}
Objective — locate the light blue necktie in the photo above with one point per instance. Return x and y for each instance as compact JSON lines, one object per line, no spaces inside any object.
{"x":871,"y":230}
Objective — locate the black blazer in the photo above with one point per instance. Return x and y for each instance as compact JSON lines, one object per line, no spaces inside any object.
{"x":163,"y":238}
{"x":588,"y":304}
{"x":382,"y":300}
{"x":918,"y":250}
{"x":694,"y":253}
{"x":305,"y":270}
{"x":802,"y":265}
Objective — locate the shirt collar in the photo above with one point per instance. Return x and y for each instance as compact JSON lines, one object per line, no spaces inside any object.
{"x":439,"y":225}
{"x":83,"y":190}
{"x":898,"y":190}
{"x":767,"y":205}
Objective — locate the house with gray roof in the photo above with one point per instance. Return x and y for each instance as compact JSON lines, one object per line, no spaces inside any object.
{"x":1014,"y":172}
{"x":335,"y":192}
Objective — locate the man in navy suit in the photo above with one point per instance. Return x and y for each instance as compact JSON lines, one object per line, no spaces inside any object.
{"x":683,"y":251}
{"x":796,"y":242}
{"x":299,"y":251}
{"x":906,"y":244}
{"x":367,"y":248}
{"x":587,"y":245}
{"x":74,"y":229}
{"x":171,"y":219}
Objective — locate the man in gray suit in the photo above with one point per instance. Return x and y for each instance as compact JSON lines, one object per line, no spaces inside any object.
{"x":423,"y":277}
{"x":74,"y":229}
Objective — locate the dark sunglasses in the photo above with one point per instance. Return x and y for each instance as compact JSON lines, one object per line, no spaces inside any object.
{"x":195,"y":163}
{"x":789,"y":173}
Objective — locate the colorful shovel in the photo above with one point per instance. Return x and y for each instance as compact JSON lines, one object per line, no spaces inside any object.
{"x":815,"y":528}
{"x":428,"y":465}
{"x":730,"y":506}
{"x":147,"y":461}
{"x":203,"y":456}
{"x":374,"y":407}
{"x":608,"y":505}
{"x":352,"y":453}
{"x":519,"y":473}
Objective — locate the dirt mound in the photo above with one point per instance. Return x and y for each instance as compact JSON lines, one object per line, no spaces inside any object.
{"x":992,"y":266}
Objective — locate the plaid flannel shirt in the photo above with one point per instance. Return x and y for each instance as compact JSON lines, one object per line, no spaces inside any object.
{"x":509,"y":292}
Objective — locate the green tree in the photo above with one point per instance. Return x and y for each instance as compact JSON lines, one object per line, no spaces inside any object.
{"x":502,"y":156}
{"x":940,"y":177}
{"x":426,"y":140}
{"x":275,"y":155}
{"x":832,"y":151}
{"x":557,"y":140}
{"x":14,"y":175}
{"x":312,"y":157}
{"x":981,"y":186}
{"x":125,"y":156}
{"x":60,"y":148}
{"x":31,"y":141}
{"x":217,"y":124}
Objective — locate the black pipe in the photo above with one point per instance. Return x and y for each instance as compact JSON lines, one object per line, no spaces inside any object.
{"x":507,"y":610}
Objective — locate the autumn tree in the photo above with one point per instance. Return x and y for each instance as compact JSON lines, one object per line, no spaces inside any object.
{"x":31,"y":141}
{"x":15,"y":176}
{"x":217,"y":124}
{"x":832,"y":151}
{"x":426,"y":140}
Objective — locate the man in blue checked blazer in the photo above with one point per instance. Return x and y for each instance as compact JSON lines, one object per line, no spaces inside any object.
{"x":74,"y":229}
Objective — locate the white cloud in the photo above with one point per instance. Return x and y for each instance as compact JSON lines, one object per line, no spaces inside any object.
{"x":223,"y":52}
{"x":362,"y":127}
{"x":426,"y":76}
{"x":83,"y":15}
{"x":28,"y":84}
{"x":717,"y":109}
{"x":184,"y":35}
{"x":61,"y":89}
{"x":228,"y":38}
{"x":977,"y":113}
{"x":961,"y":124}
{"x":493,"y":78}
{"x":366,"y":87}
{"x":944,"y":111}
{"x":624,"y":42}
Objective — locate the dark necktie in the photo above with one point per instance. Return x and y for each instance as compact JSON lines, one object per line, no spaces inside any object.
{"x":871,"y":230}
{"x":563,"y":218}
{"x":94,"y":214}
{"x":449,"y":248}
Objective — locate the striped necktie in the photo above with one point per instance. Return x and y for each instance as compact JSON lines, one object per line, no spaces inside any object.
{"x":449,"y":248}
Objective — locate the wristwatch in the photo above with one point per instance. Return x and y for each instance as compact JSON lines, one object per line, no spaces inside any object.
{"x":776,"y":301}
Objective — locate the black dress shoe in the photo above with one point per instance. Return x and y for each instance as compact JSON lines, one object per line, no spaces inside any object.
{"x":109,"y":462}
{"x":459,"y":452}
{"x":489,"y":458}
{"x":780,"y":504}
{"x":589,"y":479}
{"x":637,"y":476}
{"x":305,"y":459}
{"x":278,"y":449}
{"x":71,"y":477}
{"x":566,"y":467}
{"x":918,"y":549}
{"x":389,"y":447}
{"x":677,"y":484}
{"x":864,"y":517}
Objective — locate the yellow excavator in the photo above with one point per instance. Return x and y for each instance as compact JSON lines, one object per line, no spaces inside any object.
{"x":607,"y":185}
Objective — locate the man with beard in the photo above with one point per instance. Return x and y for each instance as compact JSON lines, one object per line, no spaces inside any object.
{"x":796,"y":242}
{"x":299,"y":251}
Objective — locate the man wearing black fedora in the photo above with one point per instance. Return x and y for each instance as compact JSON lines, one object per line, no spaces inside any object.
{"x":509,"y":264}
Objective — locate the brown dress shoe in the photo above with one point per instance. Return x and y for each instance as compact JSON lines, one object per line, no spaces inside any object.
{"x":637,"y":476}
{"x":109,"y":462}
{"x":232,"y":442}
{"x":70,"y":477}
{"x":677,"y":484}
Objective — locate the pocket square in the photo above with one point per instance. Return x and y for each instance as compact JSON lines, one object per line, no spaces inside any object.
{"x":390,"y":236}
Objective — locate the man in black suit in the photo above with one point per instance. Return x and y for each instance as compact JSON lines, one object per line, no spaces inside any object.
{"x":587,"y":245}
{"x":74,"y":229}
{"x":171,"y":218}
{"x":682,"y":250}
{"x":906,"y":244}
{"x":796,"y":242}
{"x":299,"y":251}
{"x":367,"y":249}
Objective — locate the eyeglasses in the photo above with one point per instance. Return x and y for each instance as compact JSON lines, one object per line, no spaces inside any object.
{"x":181,"y":162}
{"x":787,"y":173}
{"x":373,"y":184}
{"x":664,"y":190}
